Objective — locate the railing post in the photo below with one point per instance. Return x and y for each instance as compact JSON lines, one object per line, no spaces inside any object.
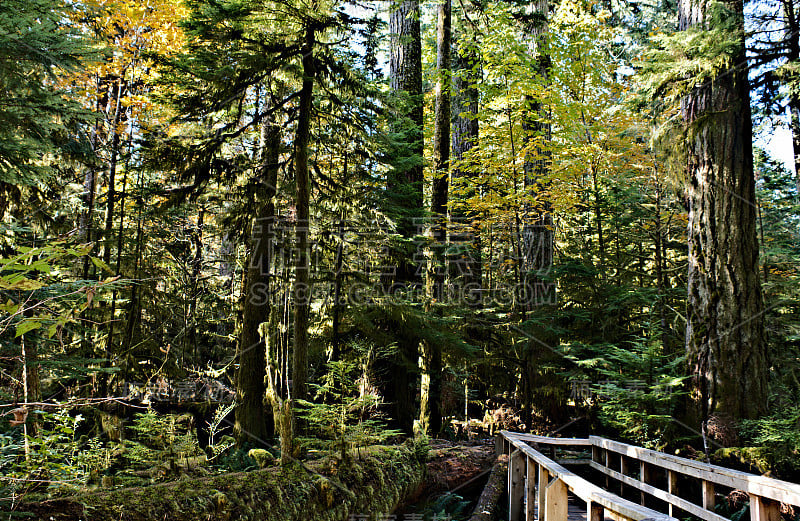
{"x":762,"y":509}
{"x":623,"y":469}
{"x":708,"y":495}
{"x":556,"y":506}
{"x":530,"y":490}
{"x":608,"y":466}
{"x":644,"y":477}
{"x":516,"y":485}
{"x":594,"y":511}
{"x":672,"y":488}
{"x":544,"y":479}
{"x":499,"y":448}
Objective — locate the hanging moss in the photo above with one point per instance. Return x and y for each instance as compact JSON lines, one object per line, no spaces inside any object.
{"x":372,"y":484}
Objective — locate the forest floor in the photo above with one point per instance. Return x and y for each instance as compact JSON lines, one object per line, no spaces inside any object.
{"x":453,"y":464}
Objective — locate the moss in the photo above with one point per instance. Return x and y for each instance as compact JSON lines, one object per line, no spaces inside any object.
{"x":262,"y":457}
{"x":750,"y":459}
{"x":374,"y":483}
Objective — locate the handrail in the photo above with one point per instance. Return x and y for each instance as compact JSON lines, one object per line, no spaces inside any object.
{"x":573,"y":442}
{"x":555,"y":480}
{"x":769,"y":488}
{"x":526,"y":463}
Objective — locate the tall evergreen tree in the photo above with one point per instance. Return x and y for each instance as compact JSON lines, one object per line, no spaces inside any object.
{"x":404,"y":188}
{"x":431,"y":389}
{"x":38,"y":121}
{"x":725,"y":340}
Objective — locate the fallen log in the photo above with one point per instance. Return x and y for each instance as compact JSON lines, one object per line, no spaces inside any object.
{"x":487,"y":507}
{"x":375,"y":483}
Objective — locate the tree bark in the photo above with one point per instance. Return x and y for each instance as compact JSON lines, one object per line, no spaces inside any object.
{"x":543,"y":388}
{"x":405,"y":184}
{"x":251,"y":422}
{"x":431,"y":389}
{"x":725,"y":341}
{"x":302,"y":289}
{"x":466,"y":269}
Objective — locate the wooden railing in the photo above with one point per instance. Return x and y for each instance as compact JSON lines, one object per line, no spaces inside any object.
{"x":766,"y":494}
{"x":668,"y":478}
{"x":527,"y":467}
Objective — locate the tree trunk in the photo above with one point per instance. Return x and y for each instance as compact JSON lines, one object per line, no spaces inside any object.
{"x":194,"y":282}
{"x":793,"y":47}
{"x":404,"y":188}
{"x":405,"y":70}
{"x":725,"y":340}
{"x":339,"y":302}
{"x":538,"y":238}
{"x":302,"y":289}
{"x":251,"y":421}
{"x":431,"y":388}
{"x":466,"y":268}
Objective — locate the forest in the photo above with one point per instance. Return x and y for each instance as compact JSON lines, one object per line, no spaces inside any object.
{"x":258,"y":252}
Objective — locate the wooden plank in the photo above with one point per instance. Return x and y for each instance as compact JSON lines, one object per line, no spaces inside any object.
{"x":544,"y":479}
{"x":556,"y":502}
{"x":672,"y":489}
{"x":577,"y":442}
{"x":588,"y":491}
{"x":573,"y":461}
{"x":770,"y":488}
{"x":764,"y":510}
{"x":623,"y":469}
{"x":594,"y":511}
{"x":516,"y":485}
{"x":709,"y":501}
{"x":644,"y":477}
{"x":683,"y":504}
{"x":616,"y":517}
{"x":530,"y":490}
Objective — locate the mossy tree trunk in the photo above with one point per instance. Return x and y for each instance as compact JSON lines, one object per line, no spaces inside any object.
{"x":431,"y":388}
{"x":725,"y":341}
{"x":302,"y":288}
{"x":252,"y":423}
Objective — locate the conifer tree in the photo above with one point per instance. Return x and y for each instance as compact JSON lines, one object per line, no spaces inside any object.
{"x":725,"y":340}
{"x":431,"y":389}
{"x":38,"y":120}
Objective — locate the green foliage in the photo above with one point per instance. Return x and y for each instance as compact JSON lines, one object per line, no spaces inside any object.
{"x":55,"y":460}
{"x":165,"y":436}
{"x":346,"y":412}
{"x":218,"y":444}
{"x":37,"y":117}
{"x":778,"y":434}
{"x":678,"y":62}
{"x":637,"y":388}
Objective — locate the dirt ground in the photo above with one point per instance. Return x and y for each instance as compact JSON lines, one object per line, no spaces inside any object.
{"x":453,"y":464}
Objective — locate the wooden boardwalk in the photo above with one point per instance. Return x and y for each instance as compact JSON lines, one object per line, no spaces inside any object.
{"x":540,"y":488}
{"x":576,"y":509}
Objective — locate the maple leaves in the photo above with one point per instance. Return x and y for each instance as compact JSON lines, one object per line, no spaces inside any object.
{"x":129,"y":35}
{"x":584,"y":96}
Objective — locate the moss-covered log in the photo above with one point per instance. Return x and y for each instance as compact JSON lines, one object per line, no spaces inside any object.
{"x":373,"y":484}
{"x":486,"y":509}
